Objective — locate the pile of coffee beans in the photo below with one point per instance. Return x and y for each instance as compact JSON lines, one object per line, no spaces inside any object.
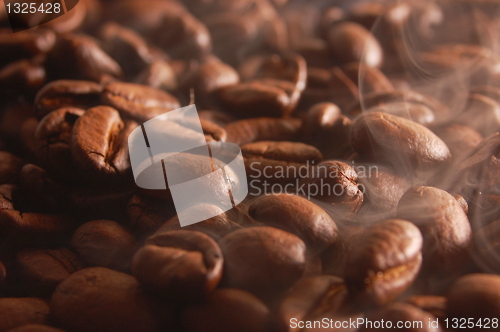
{"x":370,"y":132}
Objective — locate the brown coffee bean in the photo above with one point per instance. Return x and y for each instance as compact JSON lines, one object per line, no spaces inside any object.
{"x":66,"y":93}
{"x":444,"y":226}
{"x":409,"y":147}
{"x":412,"y":319}
{"x":41,"y":270}
{"x":481,"y":113}
{"x":12,"y":118}
{"x":99,"y":299}
{"x":298,"y":216}
{"x":436,"y":305}
{"x":16,"y":312}
{"x":350,"y":41}
{"x":10,"y":167}
{"x":23,"y":77}
{"x":99,"y":146}
{"x":180,"y":265}
{"x":367,"y":78}
{"x":460,"y":139}
{"x":230,"y":310}
{"x":138,"y":102}
{"x":126,"y":47}
{"x":36,"y":328}
{"x":104,"y":243}
{"x":418,"y":113}
{"x":335,"y":183}
{"x":262,"y":260}
{"x":80,"y":57}
{"x":384,"y":261}
{"x":462,"y":202}
{"x":25,"y":44}
{"x":474,"y":297}
{"x":278,"y":162}
{"x":262,"y":129}
{"x":159,"y":75}
{"x":147,"y":214}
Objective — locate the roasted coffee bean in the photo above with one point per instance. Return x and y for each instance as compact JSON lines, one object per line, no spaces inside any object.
{"x":460,"y":139}
{"x":138,"y":102}
{"x":10,"y":167}
{"x":298,"y":216}
{"x":179,"y":265}
{"x":367,"y":78}
{"x":22,"y":77}
{"x":278,"y":162}
{"x":104,"y":243}
{"x":418,"y":113}
{"x":350,"y":41}
{"x":481,"y":113}
{"x":409,"y":147}
{"x":147,"y":214}
{"x":335,"y":183}
{"x":41,"y":270}
{"x":73,"y":19}
{"x":126,"y":47}
{"x":12,"y":118}
{"x":218,"y":117}
{"x":262,"y":129}
{"x":99,"y":299}
{"x":230,"y":310}
{"x":398,"y":313}
{"x":474,"y":297}
{"x":80,"y":58}
{"x":436,"y":305}
{"x":92,"y":203}
{"x":262,"y":260}
{"x":36,"y":328}
{"x":66,"y":93}
{"x":15,"y":312}
{"x":384,"y":261}
{"x":159,"y":75}
{"x":462,"y":202}
{"x":99,"y":143}
{"x":25,"y":44}
{"x":444,"y":226}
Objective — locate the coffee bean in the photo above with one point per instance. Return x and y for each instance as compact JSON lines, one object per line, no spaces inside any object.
{"x":99,"y":299}
{"x":436,"y":305}
{"x":298,"y":216}
{"x":460,"y":139}
{"x":444,"y":226}
{"x":159,"y":75}
{"x":104,"y":243}
{"x":15,"y":312}
{"x":218,"y":117}
{"x":180,"y":265}
{"x":262,"y":129}
{"x":409,"y":147}
{"x":66,"y":93}
{"x":25,"y":44}
{"x":230,"y":310}
{"x":367,"y":78}
{"x":462,"y":202}
{"x":384,"y":262}
{"x":481,"y":113}
{"x":418,"y":113}
{"x":138,"y":102}
{"x":147,"y":214}
{"x":474,"y":296}
{"x":22,"y":77}
{"x":262,"y":260}
{"x":10,"y":167}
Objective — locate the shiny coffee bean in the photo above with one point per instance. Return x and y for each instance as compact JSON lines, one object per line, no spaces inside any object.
{"x":179,"y":265}
{"x":159,"y":75}
{"x":99,"y":299}
{"x":418,"y":113}
{"x":22,"y":77}
{"x":444,"y":226}
{"x":367,"y":78}
{"x":460,"y":139}
{"x":384,"y":261}
{"x":262,"y":129}
{"x":147,"y":214}
{"x":66,"y":93}
{"x":24,"y":44}
{"x":262,"y":260}
{"x":15,"y":312}
{"x":138,"y":102}
{"x":104,"y":243}
{"x":298,"y":216}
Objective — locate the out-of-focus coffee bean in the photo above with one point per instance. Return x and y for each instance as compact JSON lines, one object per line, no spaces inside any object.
{"x":66,"y":93}
{"x":399,"y":312}
{"x":444,"y":226}
{"x":138,"y":102}
{"x":99,"y":145}
{"x":316,"y":53}
{"x":298,"y":216}
{"x":262,"y":260}
{"x":335,"y":183}
{"x":418,"y":113}
{"x":262,"y":129}
{"x":10,"y":167}
{"x":24,"y":44}
{"x":486,"y":248}
{"x":27,"y":137}
{"x":53,"y":140}
{"x":482,"y":114}
{"x":384,"y":261}
{"x":436,"y":305}
{"x":36,"y":328}
{"x":126,"y":47}
{"x":92,"y":203}
{"x":179,"y":265}
{"x":474,"y":297}
{"x":350,"y":41}
{"x":278,"y":162}
{"x":368,"y":79}
{"x":460,"y":139}
{"x":15,"y":312}
{"x":80,"y":57}
{"x":104,"y":243}
{"x":12,"y":117}
{"x":99,"y":299}
{"x":22,"y":76}
{"x":71,"y":20}
{"x":490,"y":91}
{"x":159,"y":75}
{"x":218,"y":117}
{"x":41,"y":270}
{"x":366,"y":13}
{"x":409,"y":147}
{"x":230,"y":310}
